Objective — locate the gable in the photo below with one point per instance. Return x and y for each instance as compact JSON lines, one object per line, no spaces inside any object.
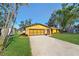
{"x":37,"y":26}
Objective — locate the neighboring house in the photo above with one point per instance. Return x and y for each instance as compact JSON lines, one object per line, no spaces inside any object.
{"x":40,"y":29}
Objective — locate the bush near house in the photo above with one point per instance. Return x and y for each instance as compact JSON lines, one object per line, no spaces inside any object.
{"x":18,"y":46}
{"x":73,"y":38}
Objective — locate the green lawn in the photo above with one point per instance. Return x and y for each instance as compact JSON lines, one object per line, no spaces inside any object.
{"x":73,"y":38}
{"x":18,"y":46}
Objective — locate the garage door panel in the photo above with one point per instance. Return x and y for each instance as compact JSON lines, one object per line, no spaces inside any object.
{"x":30,"y":32}
{"x":36,"y":32}
{"x":42,"y":32}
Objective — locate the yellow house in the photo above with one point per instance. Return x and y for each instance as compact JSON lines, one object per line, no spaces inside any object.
{"x":40,"y":29}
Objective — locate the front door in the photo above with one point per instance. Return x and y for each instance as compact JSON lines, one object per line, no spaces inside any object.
{"x":48,"y":31}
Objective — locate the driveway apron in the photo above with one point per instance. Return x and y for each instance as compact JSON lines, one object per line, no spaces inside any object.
{"x":47,"y":46}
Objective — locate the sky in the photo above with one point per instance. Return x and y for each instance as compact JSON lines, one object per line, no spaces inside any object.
{"x":37,"y":12}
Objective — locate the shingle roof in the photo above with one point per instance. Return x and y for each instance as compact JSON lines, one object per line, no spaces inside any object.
{"x":37,"y":24}
{"x":42,"y":25}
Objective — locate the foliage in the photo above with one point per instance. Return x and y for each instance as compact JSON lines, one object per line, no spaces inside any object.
{"x":8,"y":16}
{"x":65,"y":15}
{"x":25,"y":23}
{"x":51,"y":20}
{"x":76,"y":28}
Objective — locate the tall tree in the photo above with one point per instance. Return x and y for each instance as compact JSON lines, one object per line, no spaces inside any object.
{"x":25,"y":23}
{"x":65,"y":15}
{"x":9,"y":17}
{"x":51,"y":20}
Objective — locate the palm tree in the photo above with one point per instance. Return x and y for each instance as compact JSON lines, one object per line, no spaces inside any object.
{"x":65,"y":15}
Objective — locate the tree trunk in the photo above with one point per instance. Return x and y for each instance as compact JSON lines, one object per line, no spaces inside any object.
{"x":5,"y":29}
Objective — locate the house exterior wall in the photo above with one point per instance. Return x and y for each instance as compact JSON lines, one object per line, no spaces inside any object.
{"x":54,"y":31}
{"x":36,"y":27}
{"x":39,"y":27}
{"x":27,"y":31}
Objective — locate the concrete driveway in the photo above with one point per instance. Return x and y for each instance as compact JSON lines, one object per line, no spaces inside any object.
{"x":47,"y":46}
